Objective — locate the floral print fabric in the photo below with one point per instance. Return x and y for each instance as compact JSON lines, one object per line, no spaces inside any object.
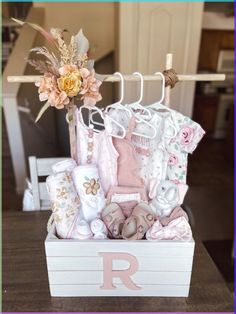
{"x":87,"y":183}
{"x":65,"y":203}
{"x":189,"y":134}
{"x":104,"y":155}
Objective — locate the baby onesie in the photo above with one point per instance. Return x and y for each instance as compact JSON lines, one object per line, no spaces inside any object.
{"x":150,"y":153}
{"x":127,"y":166}
{"x":187,"y":136}
{"x":98,"y":149}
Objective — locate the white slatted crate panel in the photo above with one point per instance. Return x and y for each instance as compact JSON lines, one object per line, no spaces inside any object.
{"x":75,"y":268}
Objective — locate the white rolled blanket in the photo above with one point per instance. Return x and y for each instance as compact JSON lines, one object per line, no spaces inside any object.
{"x":87,"y":183}
{"x":65,"y":165}
{"x":65,"y":203}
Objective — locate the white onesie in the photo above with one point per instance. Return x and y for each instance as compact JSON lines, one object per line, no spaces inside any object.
{"x":187,"y":136}
{"x":103,"y":153}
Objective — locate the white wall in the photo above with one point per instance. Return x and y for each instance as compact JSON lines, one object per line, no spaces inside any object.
{"x":97,"y":22}
{"x":96,"y":19}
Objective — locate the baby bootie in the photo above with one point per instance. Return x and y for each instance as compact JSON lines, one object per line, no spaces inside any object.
{"x":99,"y":229}
{"x":138,"y":223}
{"x":88,"y":187}
{"x":126,"y":197}
{"x":65,"y":165}
{"x":114,"y":219}
{"x":65,"y":203}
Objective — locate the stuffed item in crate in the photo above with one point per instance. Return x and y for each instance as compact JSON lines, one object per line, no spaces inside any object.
{"x":173,"y":227}
{"x":88,"y":187}
{"x":65,"y":165}
{"x":168,"y":196}
{"x":172,"y":220}
{"x":65,"y":204}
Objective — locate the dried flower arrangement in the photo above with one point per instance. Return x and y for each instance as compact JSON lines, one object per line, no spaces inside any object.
{"x":66,"y":73}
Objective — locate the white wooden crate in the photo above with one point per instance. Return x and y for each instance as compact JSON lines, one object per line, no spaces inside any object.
{"x":76,"y":268}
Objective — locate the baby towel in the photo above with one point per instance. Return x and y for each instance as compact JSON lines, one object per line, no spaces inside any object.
{"x":88,"y":187}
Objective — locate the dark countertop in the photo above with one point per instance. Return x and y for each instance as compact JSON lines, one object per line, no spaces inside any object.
{"x":25,"y":282}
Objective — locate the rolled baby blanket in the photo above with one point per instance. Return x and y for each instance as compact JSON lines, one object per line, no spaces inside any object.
{"x":89,"y":189}
{"x":67,"y":164}
{"x":65,"y":203}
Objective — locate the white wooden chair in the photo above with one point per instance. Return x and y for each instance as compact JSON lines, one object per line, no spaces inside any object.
{"x":40,"y":167}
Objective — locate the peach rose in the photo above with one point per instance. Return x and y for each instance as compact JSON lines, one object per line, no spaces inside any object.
{"x":70,"y":83}
{"x":90,"y":88}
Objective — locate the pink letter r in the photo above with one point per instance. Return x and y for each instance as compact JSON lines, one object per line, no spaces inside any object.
{"x":124,"y":275}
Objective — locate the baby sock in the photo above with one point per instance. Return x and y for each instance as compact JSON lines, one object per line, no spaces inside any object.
{"x":99,"y":229}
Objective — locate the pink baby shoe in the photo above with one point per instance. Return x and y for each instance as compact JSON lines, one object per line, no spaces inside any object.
{"x":114,"y":219}
{"x":138,"y":223}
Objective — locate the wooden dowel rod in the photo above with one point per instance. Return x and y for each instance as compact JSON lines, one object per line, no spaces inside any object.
{"x":114,"y":78}
{"x":169,"y":63}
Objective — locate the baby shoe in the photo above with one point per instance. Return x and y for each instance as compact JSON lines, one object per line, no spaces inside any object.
{"x":113,"y":218}
{"x":83,"y":231}
{"x":99,"y":229}
{"x":67,"y":164}
{"x":138,"y":223}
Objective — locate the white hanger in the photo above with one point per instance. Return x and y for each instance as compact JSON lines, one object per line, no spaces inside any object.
{"x":137,"y":105}
{"x":159,"y":102}
{"x":159,"y":105}
{"x":118,"y":105}
{"x":97,"y":110}
{"x":112,"y":105}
